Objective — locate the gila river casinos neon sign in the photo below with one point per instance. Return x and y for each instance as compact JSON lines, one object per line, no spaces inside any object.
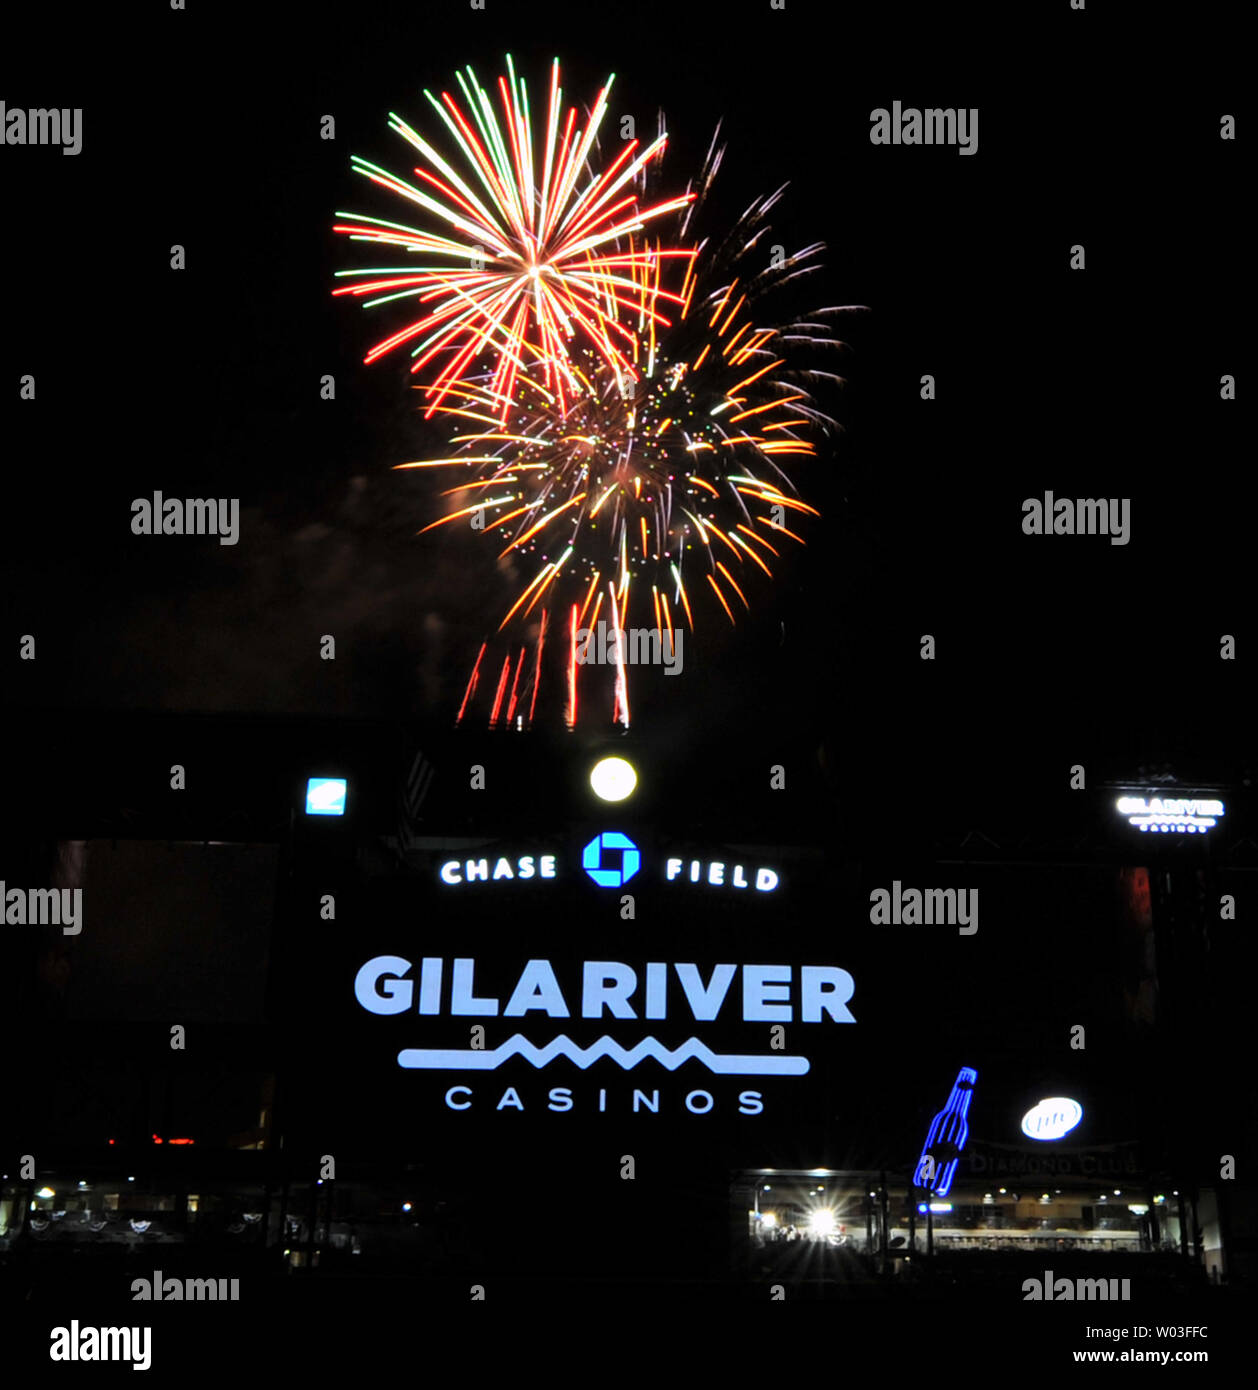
{"x":769,"y":994}
{"x":1171,"y":814}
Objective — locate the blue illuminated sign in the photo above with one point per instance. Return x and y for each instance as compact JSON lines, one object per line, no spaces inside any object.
{"x":714,"y":872}
{"x":325,"y":796}
{"x":527,"y":866}
{"x":383,"y":986}
{"x":592,"y":859}
{"x":611,"y":860}
{"x":946,"y":1138}
{"x":720,"y":1063}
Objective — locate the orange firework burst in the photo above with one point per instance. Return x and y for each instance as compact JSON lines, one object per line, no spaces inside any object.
{"x":643,"y":485}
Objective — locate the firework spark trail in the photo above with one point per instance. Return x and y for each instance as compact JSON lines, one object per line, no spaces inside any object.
{"x":471,"y":685}
{"x":537,"y":670}
{"x":502,"y":687}
{"x":572,"y":668}
{"x":515,"y":272}
{"x":515,"y":685}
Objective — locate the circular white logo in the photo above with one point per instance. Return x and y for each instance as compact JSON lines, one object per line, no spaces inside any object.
{"x":1052,"y":1118}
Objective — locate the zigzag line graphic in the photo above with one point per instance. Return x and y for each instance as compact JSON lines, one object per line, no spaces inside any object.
{"x":723,"y":1064}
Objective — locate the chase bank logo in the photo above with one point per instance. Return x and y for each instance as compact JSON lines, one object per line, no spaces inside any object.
{"x":629,"y":863}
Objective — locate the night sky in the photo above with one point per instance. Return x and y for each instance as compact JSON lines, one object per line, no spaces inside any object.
{"x":205,"y":382}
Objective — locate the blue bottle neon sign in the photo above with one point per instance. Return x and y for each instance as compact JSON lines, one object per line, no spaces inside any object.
{"x":946,"y":1138}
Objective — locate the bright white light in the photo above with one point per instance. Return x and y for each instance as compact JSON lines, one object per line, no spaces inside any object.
{"x":770,"y":1219}
{"x":613,"y":779}
{"x":821,"y":1223}
{"x":1166,"y":815}
{"x":325,"y":796}
{"x":45,"y":1192}
{"x":1052,"y":1118}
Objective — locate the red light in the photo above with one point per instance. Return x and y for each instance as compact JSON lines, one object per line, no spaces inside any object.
{"x":111,"y":1141}
{"x":156,"y":1140}
{"x":181,"y":1141}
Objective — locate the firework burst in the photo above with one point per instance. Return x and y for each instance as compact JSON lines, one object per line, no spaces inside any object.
{"x":663,"y":485}
{"x":523,"y":261}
